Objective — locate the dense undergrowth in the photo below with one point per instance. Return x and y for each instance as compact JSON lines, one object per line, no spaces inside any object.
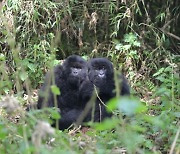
{"x":140,"y":38}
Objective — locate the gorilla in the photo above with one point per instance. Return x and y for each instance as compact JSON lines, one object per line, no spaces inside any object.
{"x":101,"y":74}
{"x":101,"y":78}
{"x":77,"y":80}
{"x":68,"y":77}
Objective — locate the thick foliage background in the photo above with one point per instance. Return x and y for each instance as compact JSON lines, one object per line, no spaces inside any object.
{"x":141,"y":38}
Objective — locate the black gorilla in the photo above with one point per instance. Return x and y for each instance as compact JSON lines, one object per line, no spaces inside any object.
{"x":101,"y":76}
{"x":67,"y":77}
{"x":76,"y":80}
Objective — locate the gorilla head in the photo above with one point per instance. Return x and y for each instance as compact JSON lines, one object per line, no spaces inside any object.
{"x":101,"y":74}
{"x":74,"y":70}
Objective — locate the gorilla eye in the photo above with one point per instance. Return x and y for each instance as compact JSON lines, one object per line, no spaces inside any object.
{"x":76,"y":67}
{"x":103,"y":68}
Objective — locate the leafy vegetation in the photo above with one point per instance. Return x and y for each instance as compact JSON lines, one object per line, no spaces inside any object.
{"x":141,"y":39}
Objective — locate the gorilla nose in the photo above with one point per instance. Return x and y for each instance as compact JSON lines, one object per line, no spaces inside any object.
{"x":75,"y":71}
{"x":101,"y":74}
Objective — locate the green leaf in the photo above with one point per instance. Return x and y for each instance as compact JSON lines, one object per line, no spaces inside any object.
{"x":3,"y":132}
{"x":133,"y":54}
{"x":2,"y":57}
{"x":116,"y":41}
{"x":32,"y":67}
{"x":161,"y":78}
{"x":112,"y":104}
{"x":107,"y":124}
{"x":6,"y":90}
{"x":177,"y":114}
{"x":130,"y":106}
{"x":55,"y":62}
{"x":156,"y":121}
{"x":136,"y":43}
{"x":119,"y":46}
{"x":130,"y":38}
{"x":138,"y":128}
{"x":23,"y":75}
{"x":55,"y":90}
{"x":158,"y":72}
{"x":85,"y":57}
{"x":168,"y":69}
{"x":55,"y":115}
{"x":127,"y":47}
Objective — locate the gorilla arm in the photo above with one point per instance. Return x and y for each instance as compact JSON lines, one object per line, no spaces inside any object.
{"x":46,"y":97}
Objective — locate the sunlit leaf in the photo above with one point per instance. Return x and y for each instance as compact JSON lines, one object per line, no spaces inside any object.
{"x":2,"y":57}
{"x":23,"y":75}
{"x":138,"y":128}
{"x":112,"y":104}
{"x":159,"y":72}
{"x":116,"y":41}
{"x":136,"y":43}
{"x":6,"y":90}
{"x":127,"y":47}
{"x":177,"y":114}
{"x":55,"y":90}
{"x":119,"y":46}
{"x":168,"y":69}
{"x":130,"y":38}
{"x":130,"y":106}
{"x":85,"y":57}
{"x":55,"y":62}
{"x":126,"y":105}
{"x":161,"y":78}
{"x":55,"y":115}
{"x":32,"y":67}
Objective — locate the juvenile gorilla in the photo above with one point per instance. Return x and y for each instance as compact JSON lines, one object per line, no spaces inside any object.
{"x":101,"y":75}
{"x":67,"y":77}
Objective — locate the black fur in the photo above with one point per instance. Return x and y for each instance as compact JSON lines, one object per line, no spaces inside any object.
{"x":101,"y":76}
{"x":76,"y":80}
{"x":67,"y":77}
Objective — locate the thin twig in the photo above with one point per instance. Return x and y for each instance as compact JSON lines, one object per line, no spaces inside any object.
{"x":100,"y":112}
{"x":170,"y":34}
{"x":174,"y":142}
{"x":101,"y":99}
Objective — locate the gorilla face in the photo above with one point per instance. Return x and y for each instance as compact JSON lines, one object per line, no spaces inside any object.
{"x":75,"y":70}
{"x":100,"y":71}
